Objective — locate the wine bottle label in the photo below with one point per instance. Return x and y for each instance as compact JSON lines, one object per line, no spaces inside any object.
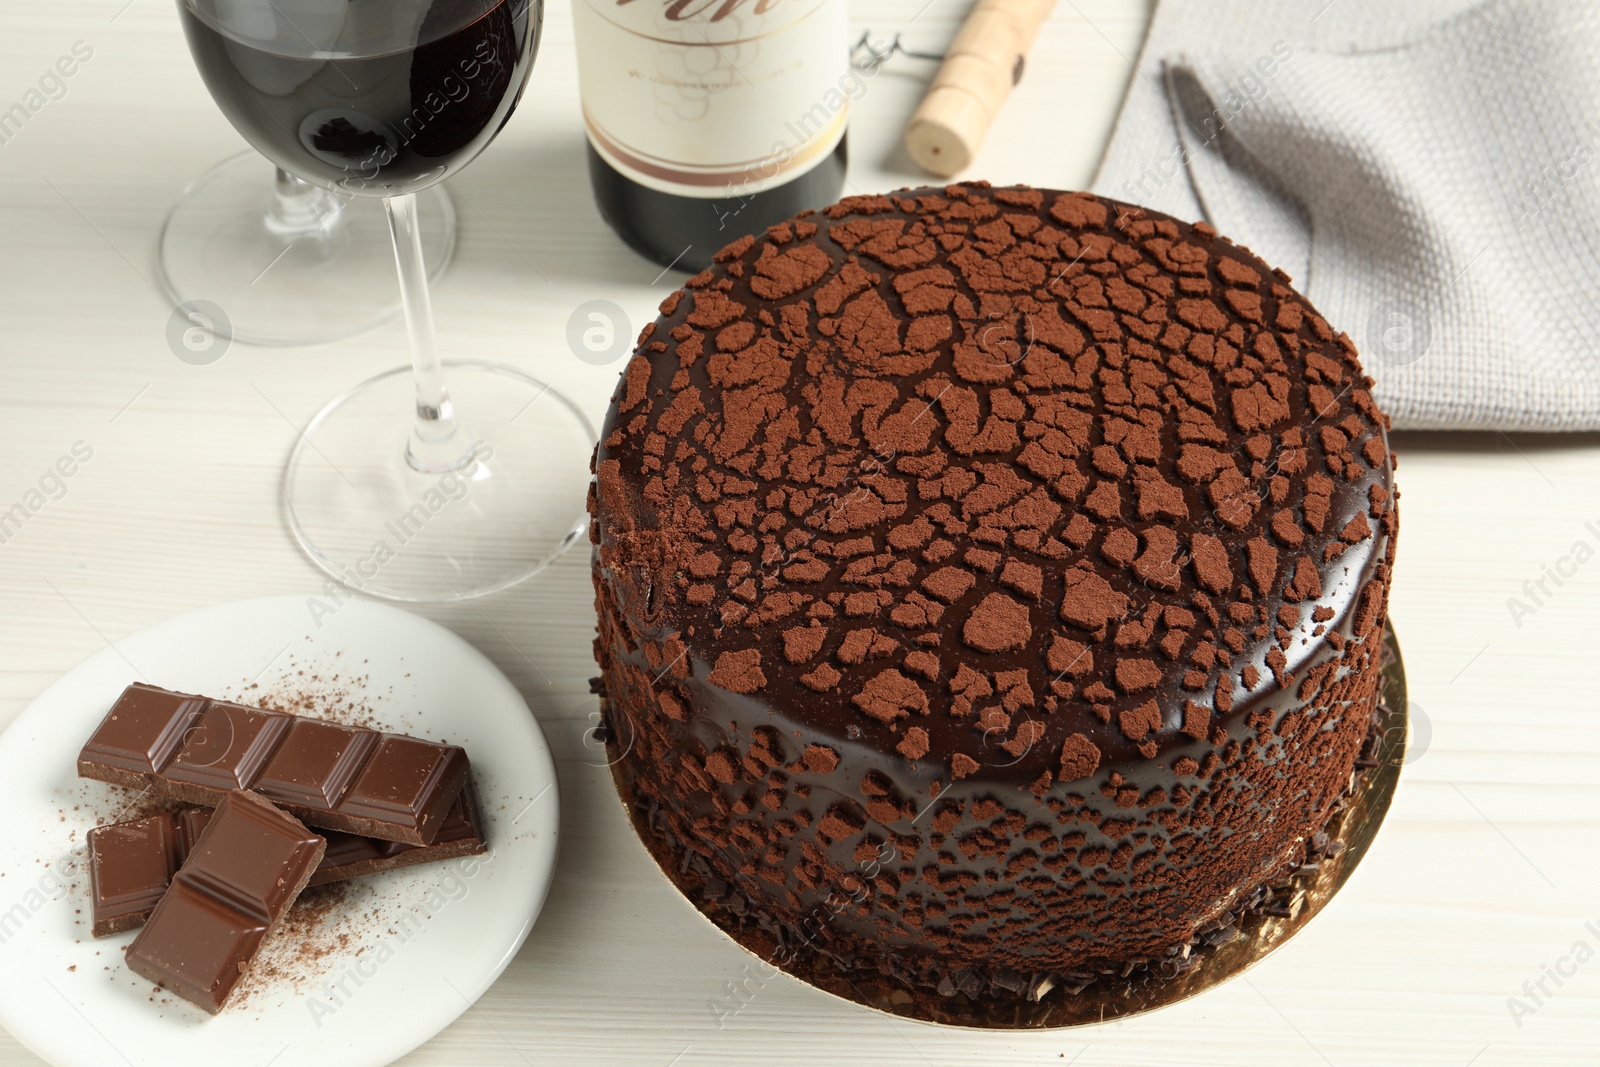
{"x":714,"y":98}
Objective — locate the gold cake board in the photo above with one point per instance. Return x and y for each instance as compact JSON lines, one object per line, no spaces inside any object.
{"x":1108,"y":997}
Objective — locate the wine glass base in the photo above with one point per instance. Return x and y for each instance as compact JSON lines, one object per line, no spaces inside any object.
{"x":279,"y":287}
{"x":364,"y":516}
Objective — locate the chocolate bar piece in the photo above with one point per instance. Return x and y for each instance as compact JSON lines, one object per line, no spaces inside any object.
{"x":334,"y":777}
{"x":130,"y":866}
{"x":248,"y":865}
{"x":132,"y":863}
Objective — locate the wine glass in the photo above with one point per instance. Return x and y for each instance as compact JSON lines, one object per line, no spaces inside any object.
{"x":288,"y":262}
{"x":386,"y":98}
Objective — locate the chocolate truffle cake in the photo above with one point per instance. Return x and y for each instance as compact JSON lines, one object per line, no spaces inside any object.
{"x":991,"y":584}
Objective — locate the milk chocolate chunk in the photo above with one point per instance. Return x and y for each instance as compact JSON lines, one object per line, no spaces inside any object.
{"x":196,"y":947}
{"x":347,"y":778}
{"x":130,"y":867}
{"x":406,"y":781}
{"x":132,"y":863}
{"x":241,"y":876}
{"x":140,"y":735}
{"x":316,"y":763}
{"x":227,"y":746}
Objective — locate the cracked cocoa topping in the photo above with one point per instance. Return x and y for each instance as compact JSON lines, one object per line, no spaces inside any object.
{"x":1012,"y":562}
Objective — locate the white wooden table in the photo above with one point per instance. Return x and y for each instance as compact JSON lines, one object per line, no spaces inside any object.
{"x":1485,"y":874}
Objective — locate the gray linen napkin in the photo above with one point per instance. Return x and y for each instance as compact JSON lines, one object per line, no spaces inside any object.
{"x":1431,"y":181}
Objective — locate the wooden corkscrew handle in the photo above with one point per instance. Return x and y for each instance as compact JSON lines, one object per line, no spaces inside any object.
{"x":983,"y":63}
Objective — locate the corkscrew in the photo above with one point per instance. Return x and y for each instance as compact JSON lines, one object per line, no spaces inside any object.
{"x":867,"y":52}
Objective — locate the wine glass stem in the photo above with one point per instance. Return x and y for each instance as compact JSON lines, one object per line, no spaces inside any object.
{"x":437,"y":442}
{"x":299,"y":209}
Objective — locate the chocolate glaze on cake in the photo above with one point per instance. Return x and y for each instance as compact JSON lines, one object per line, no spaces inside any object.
{"x":990,"y":582}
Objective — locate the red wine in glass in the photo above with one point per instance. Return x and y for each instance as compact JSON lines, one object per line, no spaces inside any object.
{"x":384,"y":98}
{"x":377,"y":109}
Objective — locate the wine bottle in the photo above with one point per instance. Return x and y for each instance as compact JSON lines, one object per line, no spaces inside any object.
{"x":711,"y":119}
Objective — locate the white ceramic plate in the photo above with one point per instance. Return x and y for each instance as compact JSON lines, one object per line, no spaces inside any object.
{"x":418,"y":945}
